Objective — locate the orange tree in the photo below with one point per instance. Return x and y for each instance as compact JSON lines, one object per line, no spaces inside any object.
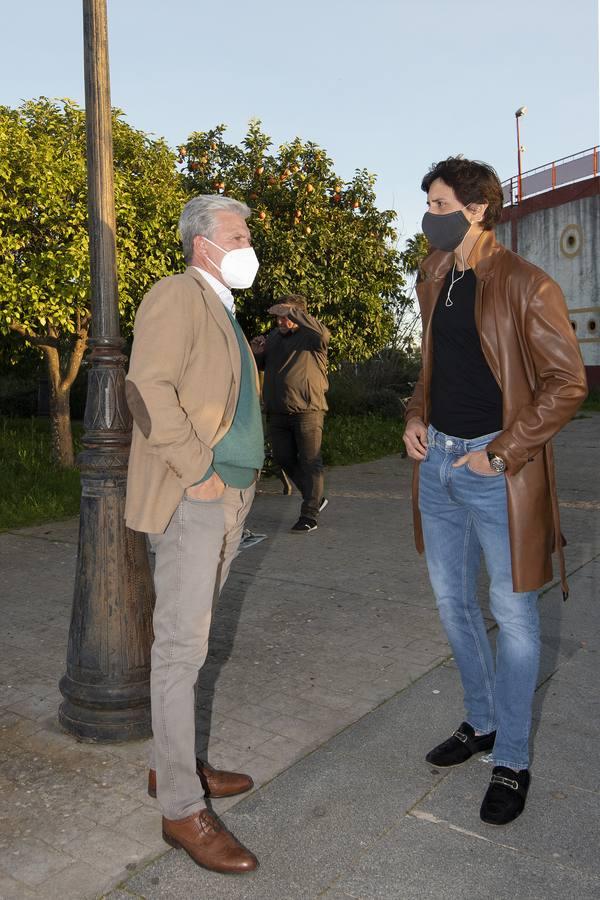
{"x":44,"y":268}
{"x":314,"y":234}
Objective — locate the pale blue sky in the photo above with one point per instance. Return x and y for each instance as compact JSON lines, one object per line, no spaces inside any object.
{"x":389,"y":85}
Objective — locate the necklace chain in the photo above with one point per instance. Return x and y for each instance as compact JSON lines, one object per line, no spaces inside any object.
{"x":453,"y":281}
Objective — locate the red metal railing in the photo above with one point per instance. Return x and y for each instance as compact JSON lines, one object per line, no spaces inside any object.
{"x":555,"y":174}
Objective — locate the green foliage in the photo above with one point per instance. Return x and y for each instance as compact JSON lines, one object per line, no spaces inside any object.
{"x":415,"y":251}
{"x":378,"y":385}
{"x":32,"y":488}
{"x":314,"y":234}
{"x":408,"y":325}
{"x":43,"y":243}
{"x":354,"y":439}
{"x":44,"y":268}
{"x":592,"y":401}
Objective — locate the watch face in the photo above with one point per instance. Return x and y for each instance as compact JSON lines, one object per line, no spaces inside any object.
{"x":497,"y":464}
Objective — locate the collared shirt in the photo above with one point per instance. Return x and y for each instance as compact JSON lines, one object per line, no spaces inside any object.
{"x":220,"y":289}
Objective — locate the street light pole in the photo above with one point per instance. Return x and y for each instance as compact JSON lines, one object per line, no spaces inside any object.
{"x":106,"y":688}
{"x":520,"y":112}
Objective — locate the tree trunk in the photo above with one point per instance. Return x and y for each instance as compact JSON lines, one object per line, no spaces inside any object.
{"x":60,"y":385}
{"x":60,"y":413}
{"x":60,"y":423}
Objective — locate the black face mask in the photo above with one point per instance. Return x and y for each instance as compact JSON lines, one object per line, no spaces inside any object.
{"x":445,"y":232}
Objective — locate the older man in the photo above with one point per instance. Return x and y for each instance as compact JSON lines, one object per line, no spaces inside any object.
{"x":502,"y":374}
{"x":196,"y":452}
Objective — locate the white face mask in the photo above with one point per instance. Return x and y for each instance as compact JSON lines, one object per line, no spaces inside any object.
{"x":238,"y":267}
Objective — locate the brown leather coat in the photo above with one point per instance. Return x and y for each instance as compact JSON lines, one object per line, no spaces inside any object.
{"x":530,"y":347}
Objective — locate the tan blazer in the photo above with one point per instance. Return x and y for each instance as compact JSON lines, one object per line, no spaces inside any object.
{"x":182,"y":389}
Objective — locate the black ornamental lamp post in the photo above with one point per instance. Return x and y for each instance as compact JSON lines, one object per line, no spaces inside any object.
{"x":106,"y":687}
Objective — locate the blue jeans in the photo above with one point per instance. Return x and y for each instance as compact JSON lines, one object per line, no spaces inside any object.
{"x":463,"y":515}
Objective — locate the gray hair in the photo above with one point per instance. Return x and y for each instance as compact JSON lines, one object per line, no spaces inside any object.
{"x":199,"y":218}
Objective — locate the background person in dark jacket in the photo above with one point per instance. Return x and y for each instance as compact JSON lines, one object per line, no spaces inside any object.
{"x":294,"y":359}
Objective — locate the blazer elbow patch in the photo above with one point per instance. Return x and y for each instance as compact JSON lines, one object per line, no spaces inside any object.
{"x":138,"y":408}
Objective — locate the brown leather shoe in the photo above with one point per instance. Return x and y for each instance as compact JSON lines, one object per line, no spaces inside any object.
{"x":209,"y":843}
{"x":216,"y":782}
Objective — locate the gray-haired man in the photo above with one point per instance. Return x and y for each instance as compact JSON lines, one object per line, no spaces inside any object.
{"x":196,"y":451}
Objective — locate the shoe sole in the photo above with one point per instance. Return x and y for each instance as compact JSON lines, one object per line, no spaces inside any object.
{"x":172,"y":842}
{"x":502,"y":824}
{"x":478,"y":753}
{"x":325,"y":503}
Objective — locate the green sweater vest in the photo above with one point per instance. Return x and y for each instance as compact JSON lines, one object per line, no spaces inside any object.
{"x":240,"y":454}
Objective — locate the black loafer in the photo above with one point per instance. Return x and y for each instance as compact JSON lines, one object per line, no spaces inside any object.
{"x":505,"y":796}
{"x":463,"y":744}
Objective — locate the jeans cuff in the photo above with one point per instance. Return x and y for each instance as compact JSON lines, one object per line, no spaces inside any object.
{"x":510,"y":765}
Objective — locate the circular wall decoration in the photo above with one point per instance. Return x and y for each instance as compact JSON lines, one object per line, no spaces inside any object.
{"x":571,"y":241}
{"x":591,"y":325}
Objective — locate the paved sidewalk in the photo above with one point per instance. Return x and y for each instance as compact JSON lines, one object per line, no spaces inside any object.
{"x":329,"y":670}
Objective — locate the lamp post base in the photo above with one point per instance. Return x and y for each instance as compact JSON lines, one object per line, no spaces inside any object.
{"x":88,"y":723}
{"x":107,"y":682}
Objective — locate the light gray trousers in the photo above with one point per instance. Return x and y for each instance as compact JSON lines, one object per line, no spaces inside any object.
{"x":193,"y":558}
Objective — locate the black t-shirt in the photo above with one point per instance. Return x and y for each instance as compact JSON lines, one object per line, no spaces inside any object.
{"x":466,"y":400}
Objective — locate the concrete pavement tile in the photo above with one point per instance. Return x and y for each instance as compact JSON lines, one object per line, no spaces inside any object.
{"x":223,"y":702}
{"x":263,"y":769}
{"x":12,"y":693}
{"x":65,"y":827}
{"x":81,"y":881}
{"x":108,"y":850}
{"x":337,"y":718}
{"x":121,"y":895}
{"x":107,"y":805}
{"x":568,"y":732}
{"x":65,"y":531}
{"x":301,"y":730}
{"x":385,"y":687}
{"x":43,"y":688}
{"x":335,"y":894}
{"x":136,"y":753}
{"x":284,"y":750}
{"x":401,"y":731}
{"x":35,"y":707}
{"x":13,"y":727}
{"x":559,"y":822}
{"x":246,"y":737}
{"x":252,"y":714}
{"x":420,"y":859}
{"x":31,"y":860}
{"x":14,"y":890}
{"x":116,"y":774}
{"x":230,"y":758}
{"x":280,"y":703}
{"x":337,"y":700}
{"x":143,"y":825}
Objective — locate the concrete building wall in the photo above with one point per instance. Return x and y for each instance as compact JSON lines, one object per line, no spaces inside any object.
{"x":564,"y":240}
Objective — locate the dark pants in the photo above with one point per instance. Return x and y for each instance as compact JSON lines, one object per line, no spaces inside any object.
{"x":296,"y":443}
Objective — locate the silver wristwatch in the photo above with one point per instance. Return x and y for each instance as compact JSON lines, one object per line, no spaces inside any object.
{"x":496,"y":462}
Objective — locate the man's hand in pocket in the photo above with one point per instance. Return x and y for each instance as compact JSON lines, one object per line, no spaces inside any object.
{"x":211,"y":489}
